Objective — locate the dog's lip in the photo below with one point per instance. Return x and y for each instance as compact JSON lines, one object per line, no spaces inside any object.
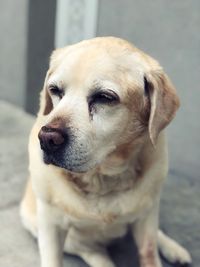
{"x":46,"y":160}
{"x":78,"y":168}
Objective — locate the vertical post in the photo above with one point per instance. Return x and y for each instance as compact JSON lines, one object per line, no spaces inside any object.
{"x":75,"y":20}
{"x":40,"y":43}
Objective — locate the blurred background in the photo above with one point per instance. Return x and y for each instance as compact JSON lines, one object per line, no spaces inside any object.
{"x":167,"y":30}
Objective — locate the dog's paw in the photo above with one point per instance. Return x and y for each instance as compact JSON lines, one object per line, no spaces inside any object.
{"x":172,"y":251}
{"x":177,"y":255}
{"x":180,"y":257}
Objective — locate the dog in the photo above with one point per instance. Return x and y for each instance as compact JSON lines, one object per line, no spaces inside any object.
{"x":98,"y":155}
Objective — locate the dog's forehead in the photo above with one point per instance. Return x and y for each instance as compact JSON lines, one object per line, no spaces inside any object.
{"x":86,"y":65}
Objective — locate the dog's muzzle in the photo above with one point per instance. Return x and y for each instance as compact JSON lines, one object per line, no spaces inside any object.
{"x":60,"y":149}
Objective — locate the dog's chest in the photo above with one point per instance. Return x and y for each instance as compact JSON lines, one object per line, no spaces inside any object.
{"x":122,"y":206}
{"x":108,"y":218}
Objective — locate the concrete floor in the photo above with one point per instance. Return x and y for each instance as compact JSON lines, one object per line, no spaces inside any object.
{"x":180,"y":207}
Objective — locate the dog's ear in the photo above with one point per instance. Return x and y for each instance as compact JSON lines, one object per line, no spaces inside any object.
{"x":46,"y":104}
{"x":163,"y":101}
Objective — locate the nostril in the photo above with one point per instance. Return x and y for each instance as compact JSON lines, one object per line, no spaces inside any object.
{"x":47,"y":129}
{"x":51,"y":142}
{"x":56,"y":138}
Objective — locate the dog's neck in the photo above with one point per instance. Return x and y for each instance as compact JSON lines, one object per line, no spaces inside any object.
{"x":119,"y":172}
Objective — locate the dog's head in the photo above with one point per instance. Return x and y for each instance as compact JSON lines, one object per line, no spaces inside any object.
{"x":99,"y":96}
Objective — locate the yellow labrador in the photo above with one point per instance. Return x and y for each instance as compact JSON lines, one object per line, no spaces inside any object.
{"x":98,"y":155}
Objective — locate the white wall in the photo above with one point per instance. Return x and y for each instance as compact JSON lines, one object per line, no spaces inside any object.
{"x":13,"y":31}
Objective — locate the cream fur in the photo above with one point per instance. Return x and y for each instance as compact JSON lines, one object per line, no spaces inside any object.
{"x":123,"y":174}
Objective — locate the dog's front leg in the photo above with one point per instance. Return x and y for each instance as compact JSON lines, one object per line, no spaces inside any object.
{"x":50,"y":236}
{"x":145,"y":235}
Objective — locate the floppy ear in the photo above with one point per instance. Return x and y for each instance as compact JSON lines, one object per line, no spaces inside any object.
{"x":163,"y":102}
{"x":46,"y":104}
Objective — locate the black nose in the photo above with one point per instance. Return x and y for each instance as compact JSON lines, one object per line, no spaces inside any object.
{"x":51,"y":139}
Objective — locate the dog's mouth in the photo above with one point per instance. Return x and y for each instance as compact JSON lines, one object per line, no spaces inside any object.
{"x":72,"y":164}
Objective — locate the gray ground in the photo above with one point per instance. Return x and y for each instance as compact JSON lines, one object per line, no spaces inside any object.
{"x":180,"y":208}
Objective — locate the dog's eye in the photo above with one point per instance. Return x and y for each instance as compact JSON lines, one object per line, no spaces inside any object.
{"x":104,"y":98}
{"x":56,"y":91}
